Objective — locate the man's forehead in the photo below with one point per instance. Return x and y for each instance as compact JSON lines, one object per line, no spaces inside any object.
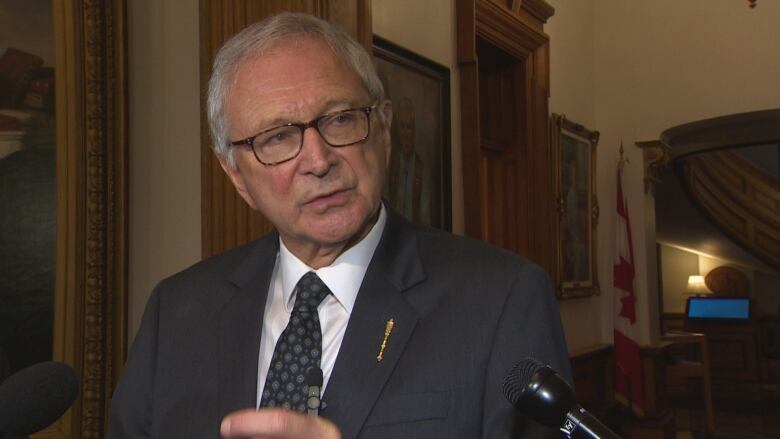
{"x":294,"y":57}
{"x":290,"y":44}
{"x":295,"y":78}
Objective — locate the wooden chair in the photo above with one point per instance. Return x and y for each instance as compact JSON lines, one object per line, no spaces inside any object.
{"x":700,"y":368}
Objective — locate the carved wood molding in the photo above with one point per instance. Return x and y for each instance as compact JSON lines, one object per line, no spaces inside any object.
{"x":506,"y":30}
{"x":90,"y":293}
{"x":539,"y":9}
{"x":105,"y":234}
{"x":739,"y":199}
{"x":731,"y":131}
{"x":656,"y":156}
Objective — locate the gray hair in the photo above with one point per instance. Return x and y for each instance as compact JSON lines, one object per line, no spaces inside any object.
{"x":254,"y":40}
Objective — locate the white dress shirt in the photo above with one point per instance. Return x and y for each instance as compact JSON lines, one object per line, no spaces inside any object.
{"x":343,"y":277}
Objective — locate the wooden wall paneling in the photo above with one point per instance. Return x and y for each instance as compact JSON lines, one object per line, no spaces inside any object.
{"x":672,"y":321}
{"x":226,"y":219}
{"x":654,"y":380}
{"x":592,"y":369}
{"x":502,"y":138}
{"x":657,"y":420}
{"x":542,"y":225}
{"x":353,"y":15}
{"x":474,"y":208}
{"x":734,"y":358}
{"x":769,"y":350}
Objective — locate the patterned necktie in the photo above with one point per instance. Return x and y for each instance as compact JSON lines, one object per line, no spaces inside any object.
{"x":298,"y":348}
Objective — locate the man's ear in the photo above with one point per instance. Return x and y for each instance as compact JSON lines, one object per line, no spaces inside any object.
{"x":386,"y":107}
{"x":234,"y":173}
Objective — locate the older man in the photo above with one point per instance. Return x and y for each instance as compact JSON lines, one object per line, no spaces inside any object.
{"x":412,"y":329}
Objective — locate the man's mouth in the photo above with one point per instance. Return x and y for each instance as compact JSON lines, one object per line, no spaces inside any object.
{"x":329,"y":199}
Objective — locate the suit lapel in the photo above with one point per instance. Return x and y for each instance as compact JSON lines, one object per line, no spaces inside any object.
{"x":240,"y":325}
{"x":358,"y":376}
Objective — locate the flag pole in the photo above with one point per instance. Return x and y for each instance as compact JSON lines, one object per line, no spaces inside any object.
{"x":623,"y":160}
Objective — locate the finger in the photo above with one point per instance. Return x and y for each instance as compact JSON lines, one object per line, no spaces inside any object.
{"x":276,"y":424}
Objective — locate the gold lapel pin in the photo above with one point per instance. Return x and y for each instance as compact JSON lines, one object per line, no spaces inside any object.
{"x":388,"y":329}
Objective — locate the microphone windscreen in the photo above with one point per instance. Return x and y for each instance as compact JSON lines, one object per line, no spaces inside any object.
{"x":539,"y":392}
{"x":519,"y":377}
{"x":35,"y":397}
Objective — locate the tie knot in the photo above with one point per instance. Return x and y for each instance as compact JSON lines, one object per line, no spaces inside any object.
{"x":309,"y":292}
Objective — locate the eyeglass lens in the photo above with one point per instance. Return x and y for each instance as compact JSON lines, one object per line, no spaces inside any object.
{"x":338,"y":129}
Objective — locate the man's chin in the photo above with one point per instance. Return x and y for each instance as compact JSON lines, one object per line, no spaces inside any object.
{"x":342,"y":224}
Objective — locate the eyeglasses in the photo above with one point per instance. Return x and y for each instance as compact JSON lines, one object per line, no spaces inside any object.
{"x":283,"y":143}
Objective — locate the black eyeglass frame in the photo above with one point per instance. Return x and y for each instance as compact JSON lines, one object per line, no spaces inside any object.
{"x":303,"y":126}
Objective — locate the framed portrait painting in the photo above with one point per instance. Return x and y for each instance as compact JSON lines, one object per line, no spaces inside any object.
{"x":28,"y":184}
{"x":418,"y":178}
{"x":63,"y":198}
{"x":574,"y":161}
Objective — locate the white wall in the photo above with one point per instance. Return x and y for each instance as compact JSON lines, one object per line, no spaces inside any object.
{"x":676,"y":265}
{"x":164,"y":145}
{"x":645,"y":67}
{"x":572,"y":67}
{"x":572,"y":93}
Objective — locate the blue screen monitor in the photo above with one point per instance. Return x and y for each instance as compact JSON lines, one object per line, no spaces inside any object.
{"x":718,"y":308}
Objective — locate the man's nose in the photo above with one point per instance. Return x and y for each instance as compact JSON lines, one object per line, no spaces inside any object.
{"x":316,"y":155}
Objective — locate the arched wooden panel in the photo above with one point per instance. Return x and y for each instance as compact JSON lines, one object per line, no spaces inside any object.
{"x":738,"y":198}
{"x":226,"y":219}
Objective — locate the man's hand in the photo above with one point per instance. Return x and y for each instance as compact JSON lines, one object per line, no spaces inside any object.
{"x":273,"y":423}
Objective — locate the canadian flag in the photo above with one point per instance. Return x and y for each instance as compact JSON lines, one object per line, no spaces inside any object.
{"x":628,"y":364}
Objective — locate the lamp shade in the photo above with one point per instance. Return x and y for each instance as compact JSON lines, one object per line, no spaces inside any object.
{"x":696,"y":285}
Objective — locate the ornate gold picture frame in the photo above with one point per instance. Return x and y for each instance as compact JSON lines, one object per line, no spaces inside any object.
{"x":90,"y":301}
{"x":574,"y":161}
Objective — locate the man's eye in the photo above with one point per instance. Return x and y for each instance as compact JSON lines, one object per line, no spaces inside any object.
{"x":275,"y":139}
{"x":279,"y":137}
{"x":342,"y":119}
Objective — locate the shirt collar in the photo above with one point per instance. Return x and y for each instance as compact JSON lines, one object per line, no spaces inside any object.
{"x":343,"y":277}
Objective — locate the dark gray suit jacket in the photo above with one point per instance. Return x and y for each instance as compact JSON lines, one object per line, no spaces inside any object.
{"x":464,"y":314}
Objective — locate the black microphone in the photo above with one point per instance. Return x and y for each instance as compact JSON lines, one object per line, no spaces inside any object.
{"x":314,"y":383}
{"x":544,"y":396}
{"x":35,"y":397}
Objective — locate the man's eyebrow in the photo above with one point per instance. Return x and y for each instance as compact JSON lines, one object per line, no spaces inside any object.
{"x":329,"y":106}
